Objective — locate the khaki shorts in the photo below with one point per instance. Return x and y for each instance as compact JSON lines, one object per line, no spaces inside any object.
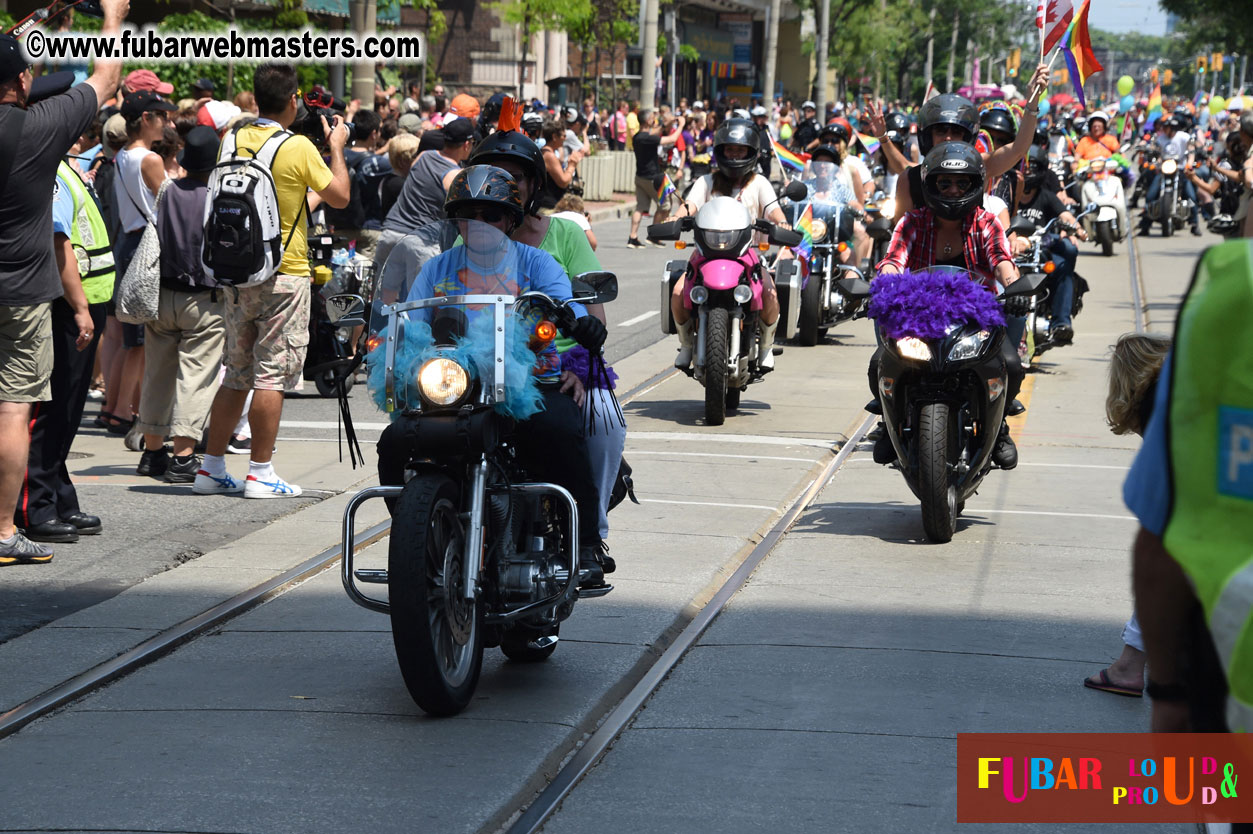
{"x":26,"y":354}
{"x":267,"y":334}
{"x":645,"y":195}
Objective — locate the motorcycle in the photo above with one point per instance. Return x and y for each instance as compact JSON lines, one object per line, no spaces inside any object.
{"x":725,"y":294}
{"x":831,"y":292}
{"x":879,"y":214}
{"x":1103,"y":186}
{"x":481,"y":554}
{"x":1171,"y":208}
{"x":943,"y":397}
{"x":332,"y":346}
{"x":1037,"y":260}
{"x":1149,"y":157}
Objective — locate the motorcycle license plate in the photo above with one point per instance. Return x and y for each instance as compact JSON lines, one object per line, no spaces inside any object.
{"x":1107,"y":213}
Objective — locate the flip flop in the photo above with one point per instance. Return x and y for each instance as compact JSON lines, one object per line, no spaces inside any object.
{"x":1106,"y":685}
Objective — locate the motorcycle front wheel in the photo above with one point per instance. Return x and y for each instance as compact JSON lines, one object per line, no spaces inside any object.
{"x":1105,"y":237}
{"x":438,"y":633}
{"x":811,"y":312}
{"x":939,"y":496}
{"x":717,"y":347}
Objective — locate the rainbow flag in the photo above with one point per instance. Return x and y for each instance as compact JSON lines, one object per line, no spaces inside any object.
{"x":1076,"y":45}
{"x":667,"y":188}
{"x":870,"y":143}
{"x":805,"y":226}
{"x":1155,"y":107}
{"x":789,"y":160}
{"x":719,"y":69}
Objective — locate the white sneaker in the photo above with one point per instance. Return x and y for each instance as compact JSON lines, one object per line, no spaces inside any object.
{"x":223,"y":484}
{"x":277,"y":488}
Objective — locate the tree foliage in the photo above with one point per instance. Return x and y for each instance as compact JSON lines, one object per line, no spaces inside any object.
{"x":1225,"y":25}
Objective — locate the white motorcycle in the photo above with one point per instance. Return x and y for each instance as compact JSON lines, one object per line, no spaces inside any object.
{"x":1103,"y":186}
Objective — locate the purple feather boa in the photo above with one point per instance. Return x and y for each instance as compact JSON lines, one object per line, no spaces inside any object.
{"x":926,"y":304}
{"x":578,"y":361}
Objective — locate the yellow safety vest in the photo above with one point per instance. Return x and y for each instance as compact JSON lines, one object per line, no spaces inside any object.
{"x":1210,"y":437}
{"x":89,"y":235}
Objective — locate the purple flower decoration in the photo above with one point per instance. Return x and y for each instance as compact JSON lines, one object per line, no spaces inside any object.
{"x":926,"y":304}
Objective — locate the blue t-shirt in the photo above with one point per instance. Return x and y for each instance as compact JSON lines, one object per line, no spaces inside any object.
{"x":521,"y":269}
{"x":1146,"y":492}
{"x":62,"y":208}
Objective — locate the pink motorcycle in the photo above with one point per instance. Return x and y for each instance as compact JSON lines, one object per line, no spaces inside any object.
{"x":724,"y":289}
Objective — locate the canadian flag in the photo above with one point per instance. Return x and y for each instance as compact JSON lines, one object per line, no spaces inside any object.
{"x":1057,"y":16}
{"x":1039,"y":14}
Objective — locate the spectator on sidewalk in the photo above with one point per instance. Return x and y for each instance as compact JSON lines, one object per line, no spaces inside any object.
{"x":421,"y":201}
{"x":570,"y":207}
{"x":402,"y":150}
{"x":267,"y":325}
{"x":183,"y":347}
{"x":364,"y":167}
{"x":33,"y":139}
{"x":648,"y":144}
{"x":561,"y":173}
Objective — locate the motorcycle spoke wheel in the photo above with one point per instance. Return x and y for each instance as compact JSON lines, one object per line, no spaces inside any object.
{"x":717,"y":348}
{"x":935,"y":487}
{"x":437,"y":632}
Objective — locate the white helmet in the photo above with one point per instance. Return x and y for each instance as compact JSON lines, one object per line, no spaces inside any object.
{"x":758,"y":111}
{"x":741,"y":113}
{"x":1100,"y":114}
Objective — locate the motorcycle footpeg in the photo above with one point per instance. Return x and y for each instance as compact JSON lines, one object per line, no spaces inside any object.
{"x":592,"y":593}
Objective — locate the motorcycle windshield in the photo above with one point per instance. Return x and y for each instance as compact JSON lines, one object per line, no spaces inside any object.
{"x":446,"y":327}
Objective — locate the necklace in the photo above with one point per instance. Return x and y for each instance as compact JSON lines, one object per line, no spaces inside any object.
{"x":948,"y":249}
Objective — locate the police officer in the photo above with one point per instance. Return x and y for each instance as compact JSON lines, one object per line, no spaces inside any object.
{"x":806,"y":134}
{"x":765,"y":139}
{"x":33,"y":140}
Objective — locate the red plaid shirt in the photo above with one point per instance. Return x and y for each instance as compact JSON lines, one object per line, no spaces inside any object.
{"x":913,"y":243}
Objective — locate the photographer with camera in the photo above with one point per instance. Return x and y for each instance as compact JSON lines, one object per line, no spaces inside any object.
{"x":267,"y":324}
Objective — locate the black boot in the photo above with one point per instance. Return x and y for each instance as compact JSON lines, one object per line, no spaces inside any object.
{"x":884,"y":451}
{"x":1005,"y":453}
{"x":591,"y":574}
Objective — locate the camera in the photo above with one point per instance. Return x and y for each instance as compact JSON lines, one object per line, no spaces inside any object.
{"x":318,"y":103}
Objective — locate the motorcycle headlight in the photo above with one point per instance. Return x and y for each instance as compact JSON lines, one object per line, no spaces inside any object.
{"x":1169,"y":167}
{"x":720,"y":241}
{"x":968,"y":347}
{"x":742,"y":294}
{"x":442,"y":382}
{"x":699,"y":295}
{"x":911,"y":347}
{"x":818,"y":230}
{"x":1098,"y":165}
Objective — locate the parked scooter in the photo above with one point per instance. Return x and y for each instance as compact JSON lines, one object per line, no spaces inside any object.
{"x":942,"y":390}
{"x":725,"y":295}
{"x":1102,"y":185}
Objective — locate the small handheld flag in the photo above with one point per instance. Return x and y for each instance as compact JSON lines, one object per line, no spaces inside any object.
{"x":667,"y":188}
{"x":1076,"y":45}
{"x":787,"y":159}
{"x":870,"y":143}
{"x":805,"y":226}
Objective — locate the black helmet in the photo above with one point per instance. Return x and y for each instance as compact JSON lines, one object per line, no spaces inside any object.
{"x":1041,"y":136}
{"x":948,"y":109}
{"x":484,"y":185}
{"x":1037,"y":167}
{"x":998,"y":120}
{"x":825,"y":150}
{"x":897,"y":125}
{"x":519,"y":148}
{"x":736,"y":132}
{"x":1172,"y":121}
{"x":952,"y":158}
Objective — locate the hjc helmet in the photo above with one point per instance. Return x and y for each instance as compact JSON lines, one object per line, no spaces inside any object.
{"x":825,"y":150}
{"x":1037,"y":167}
{"x":957,"y":159}
{"x":897,"y":125}
{"x":998,"y":120}
{"x":948,"y":109}
{"x":519,"y":148}
{"x":484,"y":185}
{"x":736,"y":132}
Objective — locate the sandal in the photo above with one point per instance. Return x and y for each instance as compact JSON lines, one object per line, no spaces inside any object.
{"x":104,"y":419}
{"x":117,"y":425}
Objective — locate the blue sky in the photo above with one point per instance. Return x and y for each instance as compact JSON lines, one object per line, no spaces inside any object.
{"x":1127,"y":16}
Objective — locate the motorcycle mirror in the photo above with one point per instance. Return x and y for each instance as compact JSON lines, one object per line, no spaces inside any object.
{"x":1021,"y":226}
{"x":785,"y":237}
{"x":346,"y":310}
{"x":796,"y":191}
{"x":665,"y":231}
{"x":595,"y":287}
{"x":853,"y":287}
{"x":1026,"y":285}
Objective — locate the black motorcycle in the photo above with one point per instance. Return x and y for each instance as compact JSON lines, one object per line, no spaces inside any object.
{"x":1171,"y":208}
{"x":481,"y":554}
{"x":1149,"y":157}
{"x":943,"y":399}
{"x":329,"y":360}
{"x":1038,"y":260}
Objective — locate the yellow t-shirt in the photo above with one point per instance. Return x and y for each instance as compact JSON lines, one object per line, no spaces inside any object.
{"x":633,"y":127}
{"x":297,"y":167}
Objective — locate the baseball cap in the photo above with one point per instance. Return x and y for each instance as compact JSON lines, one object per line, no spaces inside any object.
{"x":47,"y":86}
{"x":114,"y":134}
{"x":758,"y":111}
{"x":808,"y":104}
{"x":12,"y":62}
{"x":409,"y":123}
{"x":144,"y":101}
{"x":143,"y":79}
{"x":464,"y":105}
{"x":572,"y":115}
{"x":217,"y":114}
{"x":458,"y":130}
{"x":204,"y":84}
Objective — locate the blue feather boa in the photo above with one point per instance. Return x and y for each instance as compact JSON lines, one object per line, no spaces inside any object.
{"x":927,"y":304}
{"x":475,"y":352}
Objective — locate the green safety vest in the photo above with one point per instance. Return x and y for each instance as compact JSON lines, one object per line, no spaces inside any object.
{"x":90,"y":238}
{"x":1210,"y":437}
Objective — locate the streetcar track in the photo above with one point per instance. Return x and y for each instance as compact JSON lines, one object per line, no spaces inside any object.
{"x":1139,"y":298}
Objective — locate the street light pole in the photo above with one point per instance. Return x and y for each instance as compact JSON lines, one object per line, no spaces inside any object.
{"x":824,"y":27}
{"x":772,"y":51}
{"x":648,"y":87}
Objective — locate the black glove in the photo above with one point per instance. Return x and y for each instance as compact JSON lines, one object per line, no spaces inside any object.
{"x":589,"y":332}
{"x":1017,"y":305}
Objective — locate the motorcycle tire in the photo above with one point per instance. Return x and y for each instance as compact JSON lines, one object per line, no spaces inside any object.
{"x":1105,"y":236}
{"x":811,"y":312}
{"x":325,"y":383}
{"x":438,"y":634}
{"x":939,"y":497}
{"x":516,"y":643}
{"x":717,"y":345}
{"x":733,"y":399}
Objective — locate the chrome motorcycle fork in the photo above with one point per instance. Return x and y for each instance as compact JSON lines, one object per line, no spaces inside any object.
{"x":702,"y":317}
{"x":474,"y":535}
{"x":734,"y":339}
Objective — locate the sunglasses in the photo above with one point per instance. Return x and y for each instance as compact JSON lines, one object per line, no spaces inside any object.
{"x":952,"y":183}
{"x":487,"y":215}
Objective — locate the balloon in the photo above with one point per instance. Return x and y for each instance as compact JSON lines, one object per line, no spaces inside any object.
{"x":1044,"y":107}
{"x":1125,"y":85}
{"x":1126,"y":103}
{"x":1217,"y":104}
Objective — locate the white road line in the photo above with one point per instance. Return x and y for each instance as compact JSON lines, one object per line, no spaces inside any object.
{"x":330,"y":424}
{"x":635,"y":452}
{"x":1079,"y":466}
{"x":637,"y":319}
{"x":976,"y":510}
{"x":708,"y":504}
{"x":759,"y":439}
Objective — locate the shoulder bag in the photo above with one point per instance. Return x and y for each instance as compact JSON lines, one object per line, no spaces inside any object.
{"x":139,"y":292}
